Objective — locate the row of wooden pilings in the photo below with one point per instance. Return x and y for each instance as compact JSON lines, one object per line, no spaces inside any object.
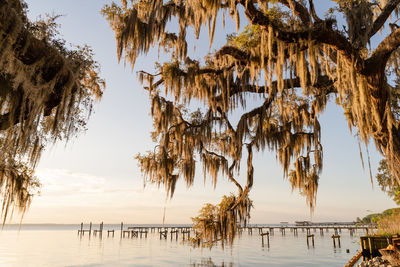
{"x":99,"y":231}
{"x":294,"y":230}
{"x":309,"y":237}
{"x":137,"y":231}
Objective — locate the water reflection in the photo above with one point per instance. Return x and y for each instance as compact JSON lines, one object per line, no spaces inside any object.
{"x":209,"y":263}
{"x":62,"y":247}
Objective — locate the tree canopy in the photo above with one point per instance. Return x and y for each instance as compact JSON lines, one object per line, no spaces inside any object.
{"x":387,"y":182}
{"x":375,"y":217}
{"x":47,"y":90}
{"x":289,"y":58}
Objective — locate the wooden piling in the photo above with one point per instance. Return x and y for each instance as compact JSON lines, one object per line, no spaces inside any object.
{"x":135,"y":233}
{"x":312,"y":240}
{"x":176,"y":234}
{"x":262,"y":238}
{"x":81,"y":231}
{"x":126,"y":232}
{"x":308,"y":231}
{"x":271,"y":231}
{"x":187,"y":232}
{"x":334,"y":237}
{"x":110,"y":231}
{"x":145,"y":231}
{"x":163,"y":233}
{"x":100,"y":230}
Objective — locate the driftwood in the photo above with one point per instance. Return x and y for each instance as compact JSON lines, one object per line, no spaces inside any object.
{"x":391,"y":254}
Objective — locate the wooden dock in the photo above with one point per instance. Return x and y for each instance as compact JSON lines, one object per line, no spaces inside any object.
{"x":264,"y":231}
{"x":336,"y":229}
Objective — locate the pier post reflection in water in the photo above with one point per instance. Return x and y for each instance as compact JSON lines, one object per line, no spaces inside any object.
{"x":312,"y":240}
{"x":82,"y":231}
{"x":279,"y":241}
{"x":262,"y":238}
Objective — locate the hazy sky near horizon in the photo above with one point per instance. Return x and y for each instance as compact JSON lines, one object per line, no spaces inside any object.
{"x":95,"y":177}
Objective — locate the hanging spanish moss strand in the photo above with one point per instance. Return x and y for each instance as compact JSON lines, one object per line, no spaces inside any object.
{"x":287,"y":58}
{"x":46,"y":94}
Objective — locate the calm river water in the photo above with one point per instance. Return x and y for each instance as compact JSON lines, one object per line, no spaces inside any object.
{"x":59,"y":245}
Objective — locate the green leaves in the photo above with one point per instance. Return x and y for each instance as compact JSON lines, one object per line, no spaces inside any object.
{"x":387,"y":182}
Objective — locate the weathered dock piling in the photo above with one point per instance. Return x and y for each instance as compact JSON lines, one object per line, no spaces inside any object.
{"x":123,"y":232}
{"x":185,"y":232}
{"x":271,"y":231}
{"x":312,"y":240}
{"x":283,"y":230}
{"x":262,"y":238}
{"x":109,"y":232}
{"x":175,"y":231}
{"x":134,"y":233}
{"x":144,"y":232}
{"x":100,"y":230}
{"x":163,"y":233}
{"x":351,"y":231}
{"x":334,"y":237}
{"x":82,"y":231}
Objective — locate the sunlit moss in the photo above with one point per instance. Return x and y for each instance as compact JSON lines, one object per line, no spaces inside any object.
{"x":46,"y":94}
{"x":280,"y":59}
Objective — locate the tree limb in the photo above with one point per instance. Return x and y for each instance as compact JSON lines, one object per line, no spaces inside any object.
{"x":321,"y":32}
{"x":382,"y":53}
{"x":299,"y":10}
{"x":381,"y":19}
{"x":323,"y":81}
{"x":312,"y":11}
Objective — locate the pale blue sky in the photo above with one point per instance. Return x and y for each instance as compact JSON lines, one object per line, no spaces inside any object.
{"x":95,"y":177}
